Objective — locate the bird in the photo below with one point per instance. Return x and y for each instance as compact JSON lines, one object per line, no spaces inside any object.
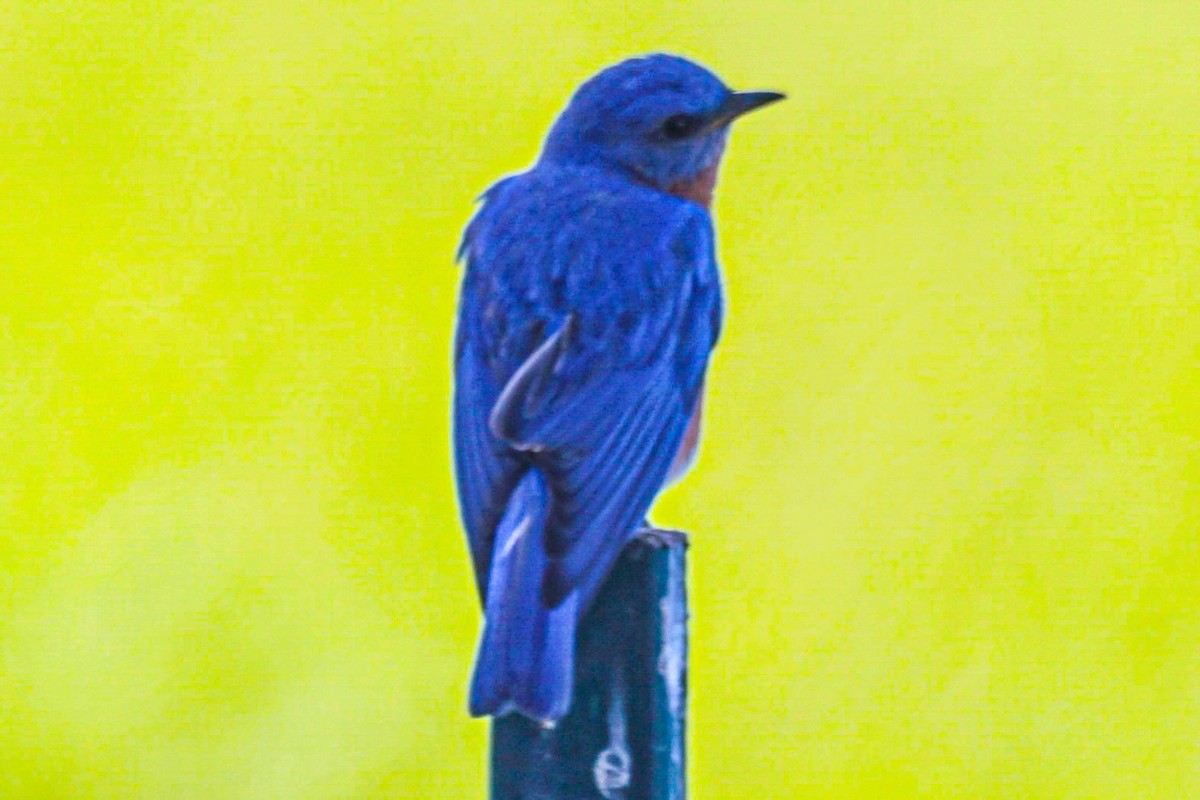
{"x":589,"y":306}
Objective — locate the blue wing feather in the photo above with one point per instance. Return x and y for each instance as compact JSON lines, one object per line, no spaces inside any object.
{"x":599,"y":499}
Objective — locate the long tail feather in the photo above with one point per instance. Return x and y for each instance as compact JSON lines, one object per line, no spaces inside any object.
{"x":526,"y":656}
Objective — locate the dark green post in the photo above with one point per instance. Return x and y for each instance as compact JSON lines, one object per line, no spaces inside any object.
{"x":624,"y":736}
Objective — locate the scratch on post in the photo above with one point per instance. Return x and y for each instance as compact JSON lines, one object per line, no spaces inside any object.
{"x":612,"y":768}
{"x":671,"y":664}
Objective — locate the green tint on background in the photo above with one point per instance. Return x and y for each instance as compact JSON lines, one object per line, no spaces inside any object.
{"x":945,"y":520}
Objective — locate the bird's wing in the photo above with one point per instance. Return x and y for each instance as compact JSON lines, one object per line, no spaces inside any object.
{"x":604,"y":449}
{"x":600,"y":407}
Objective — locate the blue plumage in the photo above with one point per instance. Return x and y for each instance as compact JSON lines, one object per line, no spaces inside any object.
{"x":589,"y":307}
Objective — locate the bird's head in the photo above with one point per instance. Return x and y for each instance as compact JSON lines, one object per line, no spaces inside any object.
{"x":661,"y":119}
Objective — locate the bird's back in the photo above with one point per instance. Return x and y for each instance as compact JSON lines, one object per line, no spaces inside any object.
{"x":565,"y":240}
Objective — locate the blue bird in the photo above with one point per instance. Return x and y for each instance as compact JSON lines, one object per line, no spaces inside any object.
{"x":589,"y":306}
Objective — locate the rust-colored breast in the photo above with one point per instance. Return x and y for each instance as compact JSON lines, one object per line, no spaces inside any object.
{"x":698,"y":190}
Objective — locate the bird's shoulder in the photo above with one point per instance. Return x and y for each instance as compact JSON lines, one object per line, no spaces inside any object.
{"x":622,"y":258}
{"x":550,"y":211}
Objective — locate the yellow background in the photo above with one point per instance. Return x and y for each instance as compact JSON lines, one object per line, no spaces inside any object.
{"x":945,"y":519}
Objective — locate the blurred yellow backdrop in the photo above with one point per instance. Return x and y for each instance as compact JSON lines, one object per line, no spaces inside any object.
{"x":945,"y":520}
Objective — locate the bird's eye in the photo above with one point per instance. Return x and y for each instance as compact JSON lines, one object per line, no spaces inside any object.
{"x":680,"y":126}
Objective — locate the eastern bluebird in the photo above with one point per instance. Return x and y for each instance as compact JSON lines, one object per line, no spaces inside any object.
{"x":589,"y":306}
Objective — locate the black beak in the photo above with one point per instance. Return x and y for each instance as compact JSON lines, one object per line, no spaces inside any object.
{"x":739,"y":103}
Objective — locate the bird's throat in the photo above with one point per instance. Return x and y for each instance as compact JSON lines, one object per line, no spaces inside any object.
{"x":700,"y":188}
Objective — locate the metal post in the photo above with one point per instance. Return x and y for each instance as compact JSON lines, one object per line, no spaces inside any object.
{"x":624,"y":736}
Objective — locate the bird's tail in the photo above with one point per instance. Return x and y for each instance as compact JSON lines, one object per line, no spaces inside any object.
{"x":526,"y":656}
